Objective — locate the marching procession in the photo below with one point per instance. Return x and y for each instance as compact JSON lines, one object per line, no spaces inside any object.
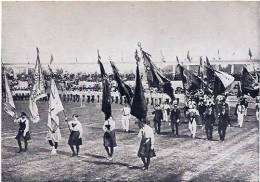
{"x":205,"y":105}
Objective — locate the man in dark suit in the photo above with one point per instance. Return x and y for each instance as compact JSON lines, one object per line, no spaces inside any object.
{"x":175,"y":118}
{"x":224,"y":121}
{"x":158,"y":117}
{"x":209,"y":119}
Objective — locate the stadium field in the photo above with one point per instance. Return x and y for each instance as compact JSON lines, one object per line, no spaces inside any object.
{"x":178,"y":159}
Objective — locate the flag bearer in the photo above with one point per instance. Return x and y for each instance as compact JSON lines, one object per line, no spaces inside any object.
{"x":209,"y":120}
{"x":240,"y":113}
{"x":109,"y":137}
{"x":223,"y":123}
{"x":23,"y":132}
{"x":146,"y":149}
{"x":54,"y":135}
{"x":125,"y":117}
{"x":75,"y":134}
{"x":193,"y":115}
{"x":175,"y":119}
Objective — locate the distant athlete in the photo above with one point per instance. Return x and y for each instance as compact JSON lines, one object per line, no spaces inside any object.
{"x":146,"y":149}
{"x":109,"y":137}
{"x":125,"y":117}
{"x":23,"y":132}
{"x":240,"y":113}
{"x":75,"y":134}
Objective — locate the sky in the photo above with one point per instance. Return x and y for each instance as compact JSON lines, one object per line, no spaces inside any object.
{"x":71,"y":30}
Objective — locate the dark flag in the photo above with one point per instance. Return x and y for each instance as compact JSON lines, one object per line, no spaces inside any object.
{"x":249,"y":85}
{"x":139,"y":105}
{"x":217,"y":81}
{"x":188,"y":56}
{"x":106,"y":96}
{"x":250,"y":54}
{"x":177,"y":59}
{"x":200,"y":71}
{"x":155,"y":78}
{"x":123,"y":88}
{"x":191,"y":82}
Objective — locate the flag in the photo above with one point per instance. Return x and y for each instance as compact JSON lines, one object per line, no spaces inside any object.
{"x":191,"y":82}
{"x":188,"y":56}
{"x":177,"y":59}
{"x":137,"y":58}
{"x":217,"y":81}
{"x":200,"y":71}
{"x":35,"y":117}
{"x":9,"y":106}
{"x":51,"y":59}
{"x":38,"y":90}
{"x":162,"y":57}
{"x":250,"y":53}
{"x":55,"y":106}
{"x":123,"y":88}
{"x":139,"y":105}
{"x":249,"y":84}
{"x":155,"y":78}
{"x":106,"y":96}
{"x":102,"y":70}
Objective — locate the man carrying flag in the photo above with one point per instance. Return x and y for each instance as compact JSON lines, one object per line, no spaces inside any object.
{"x":38,"y":90}
{"x":55,"y":106}
{"x":109,"y":137}
{"x":249,"y":84}
{"x":139,"y":110}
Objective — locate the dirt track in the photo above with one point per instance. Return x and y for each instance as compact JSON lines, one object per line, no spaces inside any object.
{"x":178,"y":159}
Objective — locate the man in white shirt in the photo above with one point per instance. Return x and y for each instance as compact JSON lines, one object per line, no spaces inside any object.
{"x":240,"y":114}
{"x":146,"y":149}
{"x":257,"y":107}
{"x":125,"y":117}
{"x":76,"y":132}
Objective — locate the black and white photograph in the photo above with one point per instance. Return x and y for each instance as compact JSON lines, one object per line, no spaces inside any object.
{"x":136,"y":91}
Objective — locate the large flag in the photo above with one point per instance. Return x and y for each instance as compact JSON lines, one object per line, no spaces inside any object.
{"x":249,"y":84}
{"x":139,"y":105}
{"x":106,"y":96}
{"x":217,"y":81}
{"x":123,"y":88}
{"x":200,"y":71}
{"x":8,"y":103}
{"x":38,"y":90}
{"x":55,"y":106}
{"x":154,"y":76}
{"x":191,"y":82}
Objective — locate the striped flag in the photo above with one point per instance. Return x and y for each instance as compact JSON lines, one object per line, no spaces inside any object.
{"x":9,"y":106}
{"x":38,"y":90}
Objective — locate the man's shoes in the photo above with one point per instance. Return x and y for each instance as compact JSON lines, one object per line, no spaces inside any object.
{"x":20,"y":151}
{"x":144,"y":168}
{"x":73,"y":155}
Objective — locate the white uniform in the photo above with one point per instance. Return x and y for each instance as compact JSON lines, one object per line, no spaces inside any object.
{"x":125,"y":118}
{"x":258,"y":111}
{"x":165,"y":113}
{"x":240,"y":114}
{"x":193,"y":122}
{"x":147,"y":132}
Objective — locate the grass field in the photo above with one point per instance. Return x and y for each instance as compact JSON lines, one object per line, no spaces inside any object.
{"x":178,"y":159}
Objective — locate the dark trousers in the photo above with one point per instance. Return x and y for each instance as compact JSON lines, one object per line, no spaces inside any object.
{"x":176,"y":126}
{"x":55,"y":144}
{"x":20,"y":145}
{"x":209,"y":131}
{"x":157,"y":126}
{"x":146,"y":162}
{"x":109,"y":153}
{"x":222,"y":132}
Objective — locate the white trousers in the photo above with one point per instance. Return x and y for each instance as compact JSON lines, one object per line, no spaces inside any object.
{"x":125,"y":122}
{"x":240,"y":119}
{"x":193,"y":128}
{"x":257,"y":115}
{"x":165,"y":116}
